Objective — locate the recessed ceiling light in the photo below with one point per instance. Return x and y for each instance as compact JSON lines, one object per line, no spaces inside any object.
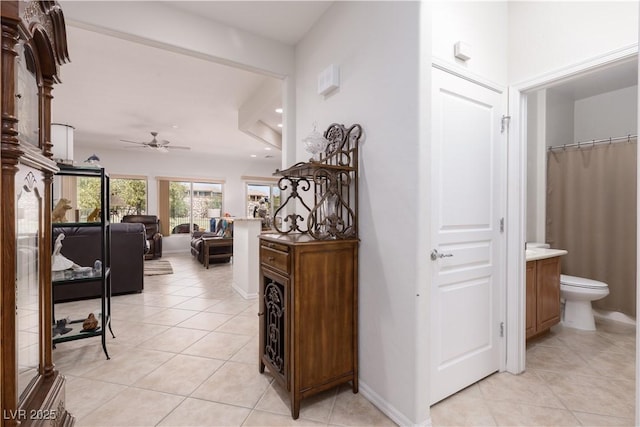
{"x":279,"y":125}
{"x":253,"y":155}
{"x":279,"y":110}
{"x":267,"y":148}
{"x":175,"y":126}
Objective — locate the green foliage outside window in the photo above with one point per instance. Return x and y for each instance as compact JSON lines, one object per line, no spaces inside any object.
{"x":88,"y":193}
{"x":129,"y":196}
{"x":178,"y":202}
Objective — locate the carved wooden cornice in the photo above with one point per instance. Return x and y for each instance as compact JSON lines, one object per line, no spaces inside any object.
{"x":47,"y":16}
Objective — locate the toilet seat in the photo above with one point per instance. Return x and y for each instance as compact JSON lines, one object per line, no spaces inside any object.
{"x":581,"y":282}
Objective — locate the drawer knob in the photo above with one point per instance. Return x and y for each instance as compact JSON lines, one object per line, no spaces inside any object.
{"x":270,"y":258}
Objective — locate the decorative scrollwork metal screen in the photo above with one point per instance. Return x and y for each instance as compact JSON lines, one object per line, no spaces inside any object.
{"x":275,"y":325}
{"x":334,"y":180}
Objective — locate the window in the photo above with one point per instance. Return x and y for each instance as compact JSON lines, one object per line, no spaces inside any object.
{"x":188,"y":205}
{"x":84,"y":191}
{"x":128,"y":197}
{"x":262,"y":202}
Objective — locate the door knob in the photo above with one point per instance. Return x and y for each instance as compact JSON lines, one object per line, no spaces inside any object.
{"x":435,"y":255}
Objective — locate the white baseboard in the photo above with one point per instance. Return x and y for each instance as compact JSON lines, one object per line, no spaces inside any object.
{"x":243,"y":293}
{"x":615,"y":316}
{"x":388,"y":409}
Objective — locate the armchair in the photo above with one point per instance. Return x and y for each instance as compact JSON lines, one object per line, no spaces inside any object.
{"x":152,"y":231}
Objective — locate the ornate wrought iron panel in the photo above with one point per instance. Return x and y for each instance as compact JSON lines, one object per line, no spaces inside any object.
{"x":335,"y":189}
{"x":274,"y":303}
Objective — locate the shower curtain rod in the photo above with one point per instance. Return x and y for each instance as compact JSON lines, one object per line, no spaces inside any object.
{"x":593,"y":142}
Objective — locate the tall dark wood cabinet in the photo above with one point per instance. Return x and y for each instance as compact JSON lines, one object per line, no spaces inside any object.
{"x":34,"y":45}
{"x":309,"y":273}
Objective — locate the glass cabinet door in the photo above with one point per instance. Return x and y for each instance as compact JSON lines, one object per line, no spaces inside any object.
{"x":28,"y":241}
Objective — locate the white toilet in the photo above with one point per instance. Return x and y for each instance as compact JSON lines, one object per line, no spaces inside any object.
{"x":577,"y":294}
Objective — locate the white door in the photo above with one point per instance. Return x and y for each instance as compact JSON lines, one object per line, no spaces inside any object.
{"x":467,"y":173}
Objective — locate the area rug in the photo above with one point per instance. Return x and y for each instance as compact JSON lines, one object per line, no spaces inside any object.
{"x":156,"y":267}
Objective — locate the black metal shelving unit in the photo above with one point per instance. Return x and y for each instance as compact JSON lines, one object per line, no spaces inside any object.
{"x":104,"y":275}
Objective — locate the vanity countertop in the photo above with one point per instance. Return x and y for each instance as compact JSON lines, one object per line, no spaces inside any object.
{"x":533,"y":254}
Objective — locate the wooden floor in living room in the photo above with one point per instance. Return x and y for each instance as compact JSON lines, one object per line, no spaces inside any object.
{"x":185,"y":354}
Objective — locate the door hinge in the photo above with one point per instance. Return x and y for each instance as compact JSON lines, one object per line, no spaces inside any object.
{"x":505,"y":123}
{"x":501,"y":329}
{"x":502,"y":225}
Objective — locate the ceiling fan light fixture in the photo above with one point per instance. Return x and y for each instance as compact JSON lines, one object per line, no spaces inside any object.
{"x":162,"y":146}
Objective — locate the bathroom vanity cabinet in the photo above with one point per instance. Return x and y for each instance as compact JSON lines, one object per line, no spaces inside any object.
{"x":543,"y":295}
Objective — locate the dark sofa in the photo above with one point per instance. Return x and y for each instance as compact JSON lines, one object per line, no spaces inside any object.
{"x":82,"y":246}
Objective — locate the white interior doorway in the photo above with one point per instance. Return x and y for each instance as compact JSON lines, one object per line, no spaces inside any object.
{"x":517,"y":185}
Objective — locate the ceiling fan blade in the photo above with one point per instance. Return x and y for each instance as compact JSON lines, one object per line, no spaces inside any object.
{"x":161,"y":146}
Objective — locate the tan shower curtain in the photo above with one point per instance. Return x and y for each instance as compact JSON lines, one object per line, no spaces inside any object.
{"x":591,"y":212}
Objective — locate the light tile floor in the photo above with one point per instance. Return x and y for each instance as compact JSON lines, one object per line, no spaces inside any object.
{"x":186,"y":355}
{"x":573,"y":378}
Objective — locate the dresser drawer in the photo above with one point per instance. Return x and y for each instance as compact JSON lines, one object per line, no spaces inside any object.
{"x":277,"y":246}
{"x":274,"y":257}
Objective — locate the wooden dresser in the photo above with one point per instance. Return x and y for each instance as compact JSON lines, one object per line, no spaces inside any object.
{"x":308,"y":313}
{"x":309,"y":271}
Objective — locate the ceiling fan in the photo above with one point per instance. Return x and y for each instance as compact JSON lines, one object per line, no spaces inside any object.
{"x":162,"y":146}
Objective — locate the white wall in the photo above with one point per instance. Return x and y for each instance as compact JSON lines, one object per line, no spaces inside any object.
{"x":548,"y":35}
{"x":559,"y":118}
{"x":607,"y":115}
{"x":480,"y":24}
{"x":536,"y":166}
{"x":376,"y":46}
